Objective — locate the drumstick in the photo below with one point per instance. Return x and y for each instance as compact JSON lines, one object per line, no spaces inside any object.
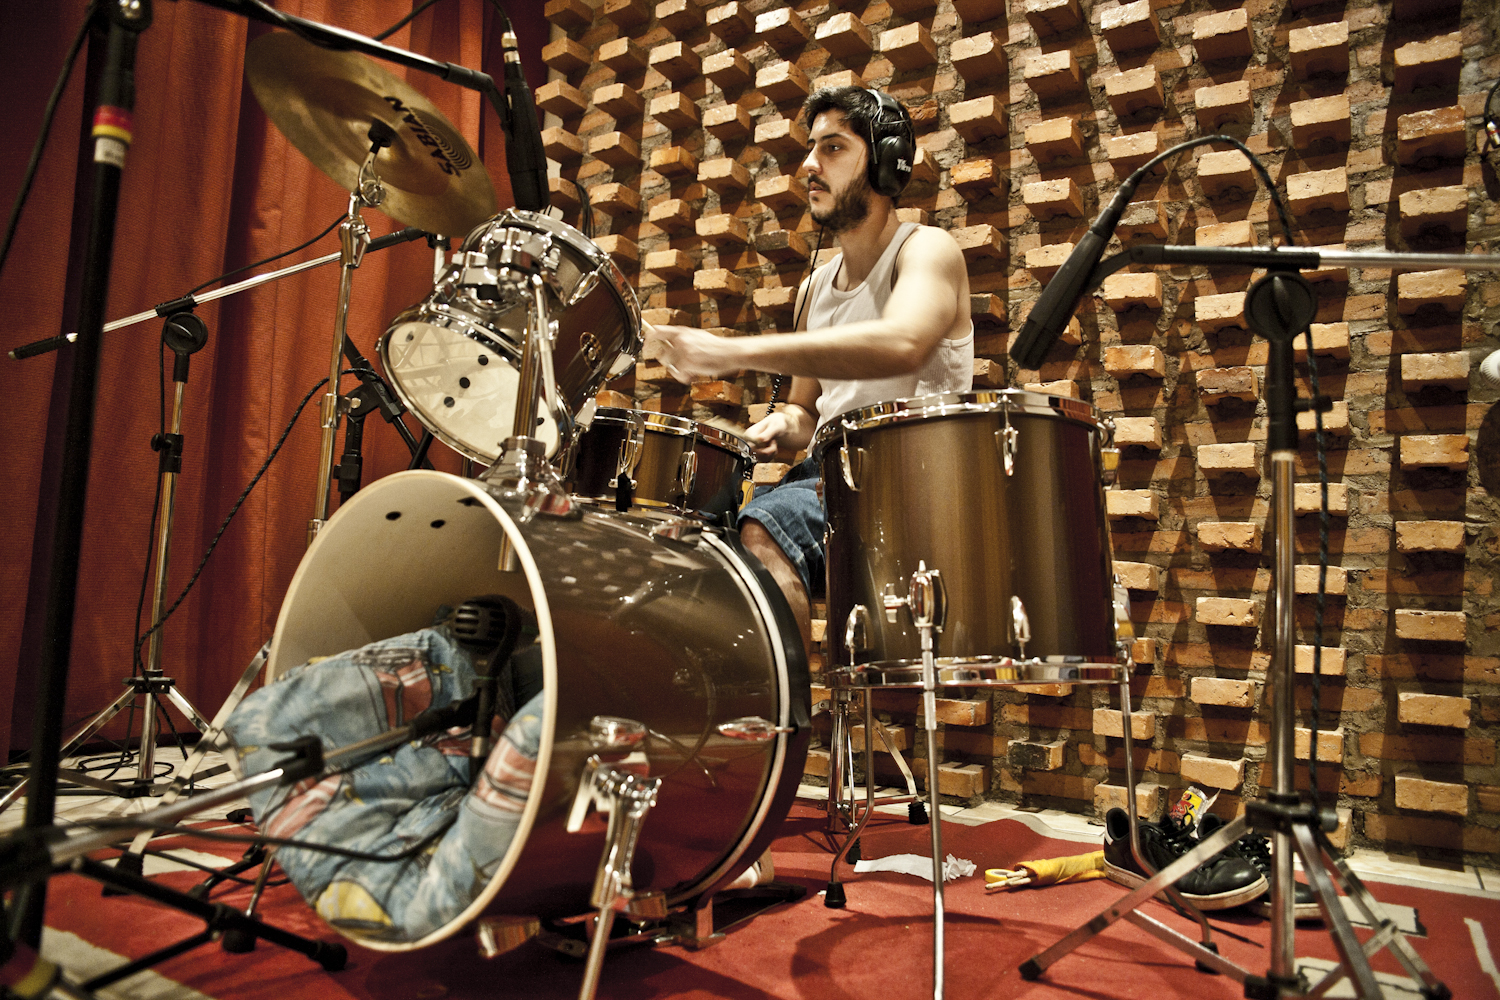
{"x":720,"y":423}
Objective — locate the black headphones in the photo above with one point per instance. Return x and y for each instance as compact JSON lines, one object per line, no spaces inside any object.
{"x":892,"y":145}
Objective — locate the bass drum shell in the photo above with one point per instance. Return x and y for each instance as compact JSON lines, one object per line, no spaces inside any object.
{"x":680,"y":636}
{"x":932,"y":488}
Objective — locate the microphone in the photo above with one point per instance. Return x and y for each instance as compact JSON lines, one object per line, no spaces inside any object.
{"x":524,"y":158}
{"x":1049,"y":317}
{"x":399,"y":236}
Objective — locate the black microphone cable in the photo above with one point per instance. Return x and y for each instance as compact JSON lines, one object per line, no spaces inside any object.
{"x":779,"y":382}
{"x":1059,"y":300}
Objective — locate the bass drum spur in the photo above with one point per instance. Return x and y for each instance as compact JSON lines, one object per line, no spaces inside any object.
{"x":455,"y":357}
{"x":683,"y":633}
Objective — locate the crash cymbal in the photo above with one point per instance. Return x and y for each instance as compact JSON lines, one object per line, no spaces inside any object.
{"x":325,"y":101}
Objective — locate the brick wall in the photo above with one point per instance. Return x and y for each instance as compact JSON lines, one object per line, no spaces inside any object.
{"x":679,"y":118}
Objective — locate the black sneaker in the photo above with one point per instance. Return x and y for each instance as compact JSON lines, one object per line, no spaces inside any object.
{"x":1217,"y":884}
{"x":1256,"y":849}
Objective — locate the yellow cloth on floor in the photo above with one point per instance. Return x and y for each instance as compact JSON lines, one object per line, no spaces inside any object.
{"x":1055,"y":871}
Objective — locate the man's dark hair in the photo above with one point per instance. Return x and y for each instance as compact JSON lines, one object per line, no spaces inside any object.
{"x":856,"y":104}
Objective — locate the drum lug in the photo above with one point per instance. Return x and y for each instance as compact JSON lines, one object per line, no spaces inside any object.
{"x":1109,"y":454}
{"x":687,"y":472}
{"x":631,"y":447}
{"x":851,"y":462}
{"x":1020,"y":624}
{"x":857,"y":627}
{"x":1008,"y":439}
{"x":926,"y":598}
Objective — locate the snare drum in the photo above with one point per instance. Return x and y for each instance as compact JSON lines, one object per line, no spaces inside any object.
{"x":671,"y":462}
{"x":1001,"y":493}
{"x":670,"y":624}
{"x":455,"y":357}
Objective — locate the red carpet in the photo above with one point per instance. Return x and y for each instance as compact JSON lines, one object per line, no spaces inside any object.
{"x":880,"y":946}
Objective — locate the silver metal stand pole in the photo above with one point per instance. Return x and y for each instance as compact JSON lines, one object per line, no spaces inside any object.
{"x":354,"y":236}
{"x":1283,"y":920}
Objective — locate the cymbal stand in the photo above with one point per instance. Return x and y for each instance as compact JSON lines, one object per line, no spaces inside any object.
{"x":354,"y":237}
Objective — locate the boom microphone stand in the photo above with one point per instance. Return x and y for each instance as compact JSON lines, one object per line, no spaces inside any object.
{"x":1279,"y":307}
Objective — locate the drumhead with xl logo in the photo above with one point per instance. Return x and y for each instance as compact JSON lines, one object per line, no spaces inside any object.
{"x":684,"y":635}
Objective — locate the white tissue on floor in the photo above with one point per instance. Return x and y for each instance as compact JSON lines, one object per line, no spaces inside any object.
{"x":917,"y":864}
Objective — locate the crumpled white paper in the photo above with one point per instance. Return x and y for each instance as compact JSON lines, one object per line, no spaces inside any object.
{"x":917,"y":864}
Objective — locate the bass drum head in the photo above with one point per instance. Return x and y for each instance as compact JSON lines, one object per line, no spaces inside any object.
{"x":683,"y":636}
{"x":460,"y":384}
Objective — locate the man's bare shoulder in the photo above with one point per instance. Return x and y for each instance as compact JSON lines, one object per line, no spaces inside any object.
{"x":933,"y":243}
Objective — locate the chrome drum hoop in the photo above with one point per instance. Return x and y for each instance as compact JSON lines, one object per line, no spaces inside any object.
{"x":684,"y":634}
{"x":987,"y":672}
{"x":1014,"y":401}
{"x":454,"y":357}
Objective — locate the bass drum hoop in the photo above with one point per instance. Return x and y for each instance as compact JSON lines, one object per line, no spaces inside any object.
{"x":327,"y":610}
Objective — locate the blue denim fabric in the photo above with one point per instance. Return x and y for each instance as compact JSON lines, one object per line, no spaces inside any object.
{"x":792,"y":512}
{"x":387,"y":804}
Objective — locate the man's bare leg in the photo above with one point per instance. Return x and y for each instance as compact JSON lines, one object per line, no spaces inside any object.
{"x":764,"y":547}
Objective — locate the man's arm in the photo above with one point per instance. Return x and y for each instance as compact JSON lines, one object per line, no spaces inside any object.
{"x":922,"y":307}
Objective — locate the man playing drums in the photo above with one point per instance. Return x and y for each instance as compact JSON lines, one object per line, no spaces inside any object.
{"x":885,"y":319}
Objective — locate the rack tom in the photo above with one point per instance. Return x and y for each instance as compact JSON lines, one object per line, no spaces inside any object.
{"x":669,"y":462}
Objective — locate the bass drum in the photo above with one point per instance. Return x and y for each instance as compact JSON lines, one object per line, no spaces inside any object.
{"x":684,"y":635}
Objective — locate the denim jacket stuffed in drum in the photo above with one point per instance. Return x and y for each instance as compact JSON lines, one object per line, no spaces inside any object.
{"x":388,"y":804}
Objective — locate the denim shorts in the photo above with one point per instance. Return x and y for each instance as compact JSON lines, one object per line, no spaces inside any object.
{"x":792,"y":511}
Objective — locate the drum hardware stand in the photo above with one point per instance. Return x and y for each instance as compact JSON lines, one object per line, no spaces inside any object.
{"x":185,"y":334}
{"x":1279,"y":307}
{"x":840,"y":810}
{"x":354,"y":237}
{"x":927,"y":602}
{"x":622,"y":789}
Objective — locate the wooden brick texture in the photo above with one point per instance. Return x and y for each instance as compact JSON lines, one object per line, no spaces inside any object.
{"x":682,"y":121}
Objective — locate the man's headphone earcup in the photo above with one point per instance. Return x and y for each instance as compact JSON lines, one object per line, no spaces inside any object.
{"x":893,"y":164}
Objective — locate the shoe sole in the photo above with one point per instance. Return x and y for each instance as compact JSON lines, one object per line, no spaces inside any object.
{"x":1217,"y":901}
{"x":1300,"y":911}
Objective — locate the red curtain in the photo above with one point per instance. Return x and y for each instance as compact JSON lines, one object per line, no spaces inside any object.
{"x":210,"y":185}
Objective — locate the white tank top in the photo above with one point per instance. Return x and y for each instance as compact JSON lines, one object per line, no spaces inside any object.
{"x":949,"y":368}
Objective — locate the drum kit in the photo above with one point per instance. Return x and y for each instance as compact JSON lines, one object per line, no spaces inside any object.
{"x":966,"y":542}
{"x":966,"y":546}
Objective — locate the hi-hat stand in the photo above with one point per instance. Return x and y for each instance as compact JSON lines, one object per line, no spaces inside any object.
{"x":1279,"y":307}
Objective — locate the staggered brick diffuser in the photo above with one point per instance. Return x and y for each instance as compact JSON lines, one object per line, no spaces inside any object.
{"x":680,"y":118}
